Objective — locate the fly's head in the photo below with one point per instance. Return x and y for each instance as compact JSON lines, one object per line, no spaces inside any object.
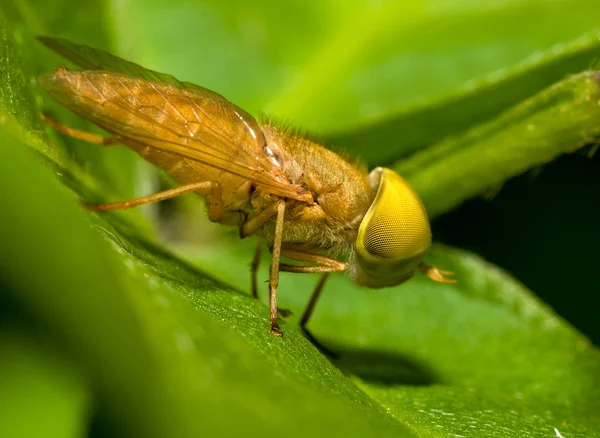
{"x":393,"y":236}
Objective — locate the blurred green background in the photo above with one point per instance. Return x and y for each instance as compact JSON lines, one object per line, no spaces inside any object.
{"x":120,"y":337}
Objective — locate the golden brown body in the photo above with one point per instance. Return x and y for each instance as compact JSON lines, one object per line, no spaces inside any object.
{"x":153,"y":113}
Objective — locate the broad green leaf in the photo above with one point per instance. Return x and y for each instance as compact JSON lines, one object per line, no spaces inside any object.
{"x":445,"y":359}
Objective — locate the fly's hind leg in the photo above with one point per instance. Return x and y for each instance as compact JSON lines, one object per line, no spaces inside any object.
{"x":76,"y":133}
{"x":215,"y":207}
{"x":254,"y":271}
{"x":212,"y":188}
{"x":308,"y":313}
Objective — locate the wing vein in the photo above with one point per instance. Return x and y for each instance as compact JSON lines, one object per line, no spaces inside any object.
{"x":126,"y":87}
{"x":167,"y":101}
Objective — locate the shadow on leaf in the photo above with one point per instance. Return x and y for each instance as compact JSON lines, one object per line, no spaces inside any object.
{"x":384,"y":368}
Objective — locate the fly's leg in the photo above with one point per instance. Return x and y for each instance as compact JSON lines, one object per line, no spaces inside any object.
{"x":436,"y":275}
{"x":286,"y":313}
{"x":313,"y":301}
{"x":76,"y":133}
{"x":215,"y":202}
{"x":308,"y":313}
{"x":322,"y":264}
{"x":274,"y":271}
{"x":252,"y":226}
{"x":319,"y":262}
{"x":215,"y":208}
{"x":254,"y":272}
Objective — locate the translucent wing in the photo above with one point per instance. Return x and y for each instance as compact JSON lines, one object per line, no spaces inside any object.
{"x":95,"y":59}
{"x":163,"y":113}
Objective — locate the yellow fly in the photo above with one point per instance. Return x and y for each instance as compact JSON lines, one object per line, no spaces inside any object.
{"x":306,"y":202}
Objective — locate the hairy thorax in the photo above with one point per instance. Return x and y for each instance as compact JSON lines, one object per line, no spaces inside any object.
{"x":340,"y":189}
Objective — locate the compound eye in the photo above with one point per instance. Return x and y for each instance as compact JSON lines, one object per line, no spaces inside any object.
{"x":396,"y":226}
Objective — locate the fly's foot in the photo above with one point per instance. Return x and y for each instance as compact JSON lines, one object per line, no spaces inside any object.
{"x":276,"y":330}
{"x":436,"y":274}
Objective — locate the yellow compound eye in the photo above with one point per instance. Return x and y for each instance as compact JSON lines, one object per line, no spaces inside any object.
{"x":396,"y":225}
{"x":394,"y":234}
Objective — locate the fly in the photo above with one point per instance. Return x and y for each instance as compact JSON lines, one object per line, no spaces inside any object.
{"x":306,"y":202}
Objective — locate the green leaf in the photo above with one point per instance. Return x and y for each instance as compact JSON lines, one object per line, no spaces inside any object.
{"x":402,"y":133}
{"x":444,"y":359}
{"x":558,"y":120}
{"x":15,"y":93}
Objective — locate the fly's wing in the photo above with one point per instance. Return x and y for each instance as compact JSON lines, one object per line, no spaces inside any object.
{"x":95,"y":59}
{"x":163,"y":113}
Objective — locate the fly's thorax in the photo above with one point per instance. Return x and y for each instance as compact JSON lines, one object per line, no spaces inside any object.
{"x":339,"y":185}
{"x":277,"y":148}
{"x":393,"y":236}
{"x":340,"y":188}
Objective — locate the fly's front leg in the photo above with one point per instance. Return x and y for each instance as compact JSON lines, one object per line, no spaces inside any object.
{"x":437,"y":275}
{"x":319,"y":262}
{"x":76,"y":133}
